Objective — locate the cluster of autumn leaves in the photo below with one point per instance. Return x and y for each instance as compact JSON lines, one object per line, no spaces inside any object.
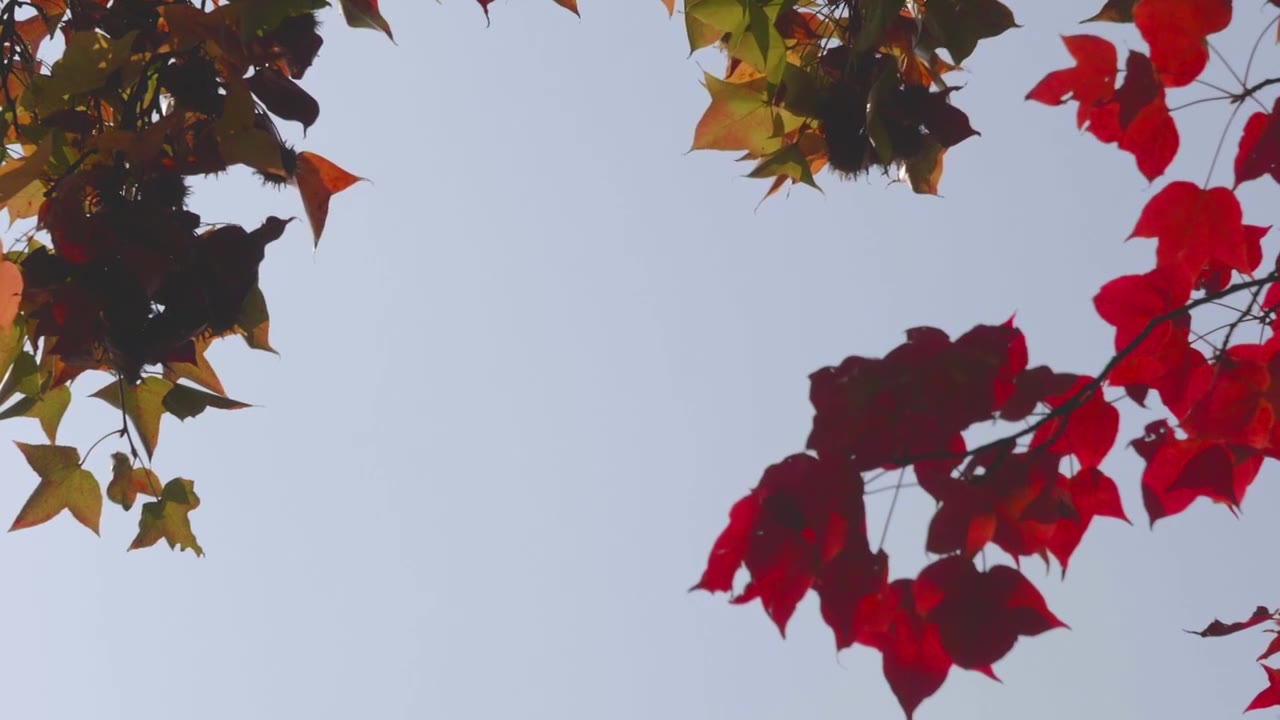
{"x":1035,"y":491}
{"x":117,"y":274}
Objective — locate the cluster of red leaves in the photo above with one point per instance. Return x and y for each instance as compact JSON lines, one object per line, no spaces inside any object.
{"x":1270,"y":695}
{"x":804,"y":526}
{"x":126,"y":279}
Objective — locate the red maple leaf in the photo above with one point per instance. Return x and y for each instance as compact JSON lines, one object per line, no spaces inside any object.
{"x":980,"y":615}
{"x":1088,"y":431}
{"x":1270,"y":695}
{"x":803,"y":526}
{"x":1180,"y":471}
{"x":1193,"y":226}
{"x":1092,"y":494}
{"x":1177,"y":30}
{"x":917,"y":399}
{"x":1259,"y":152}
{"x":914,"y":662}
{"x":1236,"y":408}
{"x":1131,"y":303}
{"x":1091,"y":82}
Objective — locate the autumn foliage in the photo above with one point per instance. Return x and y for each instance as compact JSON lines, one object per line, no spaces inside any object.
{"x":116,"y":275}
{"x":861,"y":86}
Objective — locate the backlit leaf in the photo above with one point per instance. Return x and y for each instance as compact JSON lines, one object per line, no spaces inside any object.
{"x":143,"y":404}
{"x":167,"y":518}
{"x":64,"y":485}
{"x":127,"y":482}
{"x":319,"y":180}
{"x":48,"y":408}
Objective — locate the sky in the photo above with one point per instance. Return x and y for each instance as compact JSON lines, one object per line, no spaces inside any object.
{"x":535,"y":360}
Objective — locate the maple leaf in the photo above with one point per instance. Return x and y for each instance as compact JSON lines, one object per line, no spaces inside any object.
{"x":319,"y":180}
{"x":1090,"y":83}
{"x":1270,"y":695}
{"x":364,"y":14}
{"x":738,"y":118}
{"x":1177,"y":30}
{"x":1144,"y":126}
{"x":917,"y":399}
{"x":980,"y":615}
{"x":1273,"y":647}
{"x":1217,"y":628}
{"x":914,"y":662}
{"x":1179,"y":471}
{"x":1235,"y":409}
{"x":1259,"y":152}
{"x":1131,"y":303}
{"x":127,"y":482}
{"x":1088,"y":431}
{"x":143,"y":404}
{"x":570,"y":5}
{"x":804,"y":514}
{"x":958,"y":25}
{"x":64,"y":485}
{"x":184,"y":401}
{"x":1193,"y":226}
{"x":168,"y":518}
{"x":1092,"y":494}
{"x":47,"y":407}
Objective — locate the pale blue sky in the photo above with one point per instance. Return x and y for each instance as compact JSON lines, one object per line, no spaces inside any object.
{"x":532,"y":366}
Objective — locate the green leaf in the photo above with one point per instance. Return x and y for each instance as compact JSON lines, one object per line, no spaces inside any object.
{"x":259,"y":17}
{"x":10,"y":348}
{"x":722,"y":16}
{"x":756,"y":40}
{"x":958,"y":25}
{"x":168,"y":518}
{"x":700,"y":34}
{"x":23,"y":378}
{"x":184,"y":401}
{"x":254,"y":323}
{"x":143,"y":404}
{"x":48,"y":408}
{"x":789,"y":161}
{"x":127,"y":482}
{"x":876,"y":15}
{"x":64,"y":485}
{"x":739,"y":118}
{"x":86,"y":63}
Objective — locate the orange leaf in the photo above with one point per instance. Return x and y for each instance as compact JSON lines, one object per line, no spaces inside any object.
{"x":671,"y":7}
{"x":10,"y":294}
{"x":318,"y":180}
{"x":364,"y":14}
{"x":570,"y":5}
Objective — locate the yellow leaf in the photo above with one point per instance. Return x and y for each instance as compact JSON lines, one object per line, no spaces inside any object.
{"x":18,"y":173}
{"x":64,"y":485}
{"x":167,"y":518}
{"x":143,"y":404}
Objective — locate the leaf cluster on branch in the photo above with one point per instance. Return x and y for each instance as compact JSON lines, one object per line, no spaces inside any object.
{"x":861,"y":85}
{"x":116,"y":274}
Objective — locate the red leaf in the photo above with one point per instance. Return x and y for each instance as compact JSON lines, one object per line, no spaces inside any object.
{"x":318,"y":180}
{"x":1193,"y":226}
{"x":1273,"y":647}
{"x":1091,"y":82}
{"x":1088,"y":431}
{"x":1093,"y":494}
{"x":980,"y":615}
{"x":1259,"y":152}
{"x":914,"y":662}
{"x":1270,"y":695}
{"x":1235,"y":409}
{"x":805,"y":515}
{"x":917,"y":399}
{"x":1176,"y":30}
{"x":1130,"y":303}
{"x":1145,"y":127}
{"x":1217,"y":628}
